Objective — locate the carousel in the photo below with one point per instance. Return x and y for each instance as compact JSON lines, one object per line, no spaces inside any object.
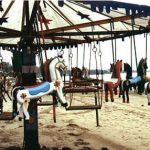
{"x":72,"y":31}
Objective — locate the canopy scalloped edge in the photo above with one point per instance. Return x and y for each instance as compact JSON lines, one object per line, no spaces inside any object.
{"x":131,"y":9}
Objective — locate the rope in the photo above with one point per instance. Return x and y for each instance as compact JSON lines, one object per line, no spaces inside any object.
{"x":83,"y":55}
{"x":95,"y":50}
{"x":77,"y":56}
{"x":97,"y":75}
{"x":146,"y":46}
{"x":131,"y":50}
{"x":101,"y":69}
{"x":100,"y":57}
{"x":133,"y":22}
{"x":70,"y":61}
{"x":115,"y":50}
{"x":135,"y":51}
{"x":43,"y":37}
{"x":90,"y":57}
{"x":112,"y":43}
{"x":40,"y":50}
{"x":70,"y":56}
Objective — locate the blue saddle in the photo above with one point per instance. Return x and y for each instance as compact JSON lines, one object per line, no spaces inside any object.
{"x":44,"y":87}
{"x":135,"y":79}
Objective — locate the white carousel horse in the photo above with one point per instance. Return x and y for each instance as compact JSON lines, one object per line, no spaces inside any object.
{"x":25,"y":95}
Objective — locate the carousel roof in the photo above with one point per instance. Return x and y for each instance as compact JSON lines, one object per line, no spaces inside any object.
{"x":58,"y":23}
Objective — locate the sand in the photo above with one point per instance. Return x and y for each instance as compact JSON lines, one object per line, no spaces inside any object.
{"x":122,"y":126}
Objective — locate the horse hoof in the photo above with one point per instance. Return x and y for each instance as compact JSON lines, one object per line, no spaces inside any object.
{"x":112,"y":100}
{"x":148,"y":103}
{"x":65,"y":104}
{"x":20,"y":118}
{"x":106,"y":100}
{"x":123,"y":101}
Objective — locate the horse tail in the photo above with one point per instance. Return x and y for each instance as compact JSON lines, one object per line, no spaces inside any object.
{"x":147,"y":87}
{"x":117,"y":83}
{"x":105,"y":86}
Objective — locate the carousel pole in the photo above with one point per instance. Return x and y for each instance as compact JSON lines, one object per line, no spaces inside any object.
{"x":1,"y":61}
{"x":31,"y":139}
{"x":1,"y":84}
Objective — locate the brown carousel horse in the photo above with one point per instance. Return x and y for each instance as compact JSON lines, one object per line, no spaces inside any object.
{"x":110,"y":86}
{"x":82,"y":77}
{"x":79,"y":78}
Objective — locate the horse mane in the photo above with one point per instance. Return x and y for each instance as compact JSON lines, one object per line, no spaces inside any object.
{"x":111,"y":67}
{"x":128,"y":70}
{"x":76,"y":73}
{"x":142,"y":66}
{"x":85,"y":73}
{"x":46,"y":69}
{"x":18,"y":77}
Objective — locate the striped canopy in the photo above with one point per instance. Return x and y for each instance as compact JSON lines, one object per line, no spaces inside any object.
{"x":59,"y":23}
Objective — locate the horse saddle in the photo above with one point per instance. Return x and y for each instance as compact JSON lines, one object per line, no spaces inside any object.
{"x":135,"y":79}
{"x":44,"y":87}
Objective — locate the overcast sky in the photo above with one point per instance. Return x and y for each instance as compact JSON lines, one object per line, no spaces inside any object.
{"x":123,"y":52}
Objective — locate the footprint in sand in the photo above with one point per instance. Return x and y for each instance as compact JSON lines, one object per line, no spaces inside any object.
{"x":86,"y":148}
{"x":81,"y":142}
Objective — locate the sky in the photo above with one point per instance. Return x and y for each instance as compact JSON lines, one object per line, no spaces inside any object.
{"x":123,"y":52}
{"x":141,"y":2}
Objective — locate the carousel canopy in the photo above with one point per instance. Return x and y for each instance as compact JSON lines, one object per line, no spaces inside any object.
{"x":60,"y":23}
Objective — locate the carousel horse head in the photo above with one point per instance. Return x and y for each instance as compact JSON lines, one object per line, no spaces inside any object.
{"x":76,"y":73}
{"x":85,"y":73}
{"x":128,"y":70}
{"x":57,"y":66}
{"x":141,"y":72}
{"x":142,"y":66}
{"x":116,"y":69}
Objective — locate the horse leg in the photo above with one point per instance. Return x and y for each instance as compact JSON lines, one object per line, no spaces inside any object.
{"x":120,"y":89}
{"x":148,"y":97}
{"x":1,"y":105}
{"x":127,"y":94}
{"x":115,"y":91}
{"x":123,"y":95}
{"x":140,"y":88}
{"x":106,"y":91}
{"x":111,"y":95}
{"x":134,"y":87}
{"x":142,"y":85}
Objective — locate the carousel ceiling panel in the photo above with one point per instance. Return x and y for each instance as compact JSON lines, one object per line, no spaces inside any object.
{"x":71,"y":21}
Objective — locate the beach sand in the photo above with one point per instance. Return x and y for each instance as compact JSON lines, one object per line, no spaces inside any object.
{"x":123,"y":126}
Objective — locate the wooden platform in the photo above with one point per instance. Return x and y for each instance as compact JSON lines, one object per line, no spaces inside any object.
{"x":83,"y":107}
{"x":93,"y":88}
{"x":46,"y":103}
{"x":6,"y":116}
{"x":80,"y":89}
